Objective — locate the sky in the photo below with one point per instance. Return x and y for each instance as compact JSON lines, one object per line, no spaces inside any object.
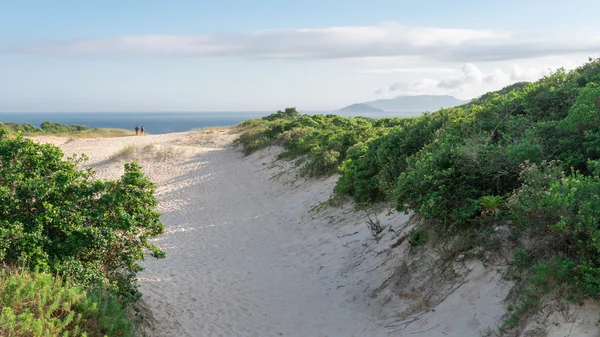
{"x":264,"y":55}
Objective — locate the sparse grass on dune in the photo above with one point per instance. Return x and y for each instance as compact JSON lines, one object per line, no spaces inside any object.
{"x":212,"y":129}
{"x":126,"y":153}
{"x":166,"y":153}
{"x":97,"y":133}
{"x":94,"y":133}
{"x":149,"y":151}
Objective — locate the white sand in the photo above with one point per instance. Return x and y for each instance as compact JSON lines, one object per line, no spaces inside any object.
{"x":246,"y":256}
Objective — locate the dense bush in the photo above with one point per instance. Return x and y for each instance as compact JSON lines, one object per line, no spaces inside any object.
{"x":446,"y":180}
{"x":324,"y":140}
{"x":568,"y":205}
{"x":50,"y":127}
{"x":58,"y":219}
{"x":371,"y":170}
{"x":46,"y":127}
{"x":42,"y":305}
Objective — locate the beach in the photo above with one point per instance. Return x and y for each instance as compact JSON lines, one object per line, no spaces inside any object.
{"x":243,"y":257}
{"x":252,"y":250}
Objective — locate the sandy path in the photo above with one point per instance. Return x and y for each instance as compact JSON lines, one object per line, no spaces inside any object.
{"x":244,"y":257}
{"x":235,"y":264}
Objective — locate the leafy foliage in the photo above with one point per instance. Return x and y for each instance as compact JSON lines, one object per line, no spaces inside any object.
{"x":324,"y":140}
{"x":56,"y":218}
{"x":568,"y":205}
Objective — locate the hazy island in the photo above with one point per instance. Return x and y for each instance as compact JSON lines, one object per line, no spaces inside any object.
{"x":360,"y":108}
{"x":414,"y":104}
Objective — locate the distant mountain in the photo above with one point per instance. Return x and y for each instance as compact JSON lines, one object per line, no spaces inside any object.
{"x":418,"y":103}
{"x":360,"y":108}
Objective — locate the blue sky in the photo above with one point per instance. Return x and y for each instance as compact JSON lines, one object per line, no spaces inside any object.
{"x":264,"y":55}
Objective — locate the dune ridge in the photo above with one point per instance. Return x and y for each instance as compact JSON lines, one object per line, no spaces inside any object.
{"x":251,"y":253}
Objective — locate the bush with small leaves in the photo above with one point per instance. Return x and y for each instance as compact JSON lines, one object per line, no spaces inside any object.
{"x":59,"y":219}
{"x":418,"y":237}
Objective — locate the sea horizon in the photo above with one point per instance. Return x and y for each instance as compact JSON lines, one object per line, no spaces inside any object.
{"x":160,"y":122}
{"x":153,"y":122}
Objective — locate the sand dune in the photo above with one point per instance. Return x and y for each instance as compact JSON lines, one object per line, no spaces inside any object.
{"x":248,"y":254}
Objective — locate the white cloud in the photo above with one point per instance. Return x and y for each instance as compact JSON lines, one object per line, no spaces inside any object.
{"x":498,"y":78}
{"x":330,"y":42}
{"x":424,"y":84}
{"x":397,"y":86}
{"x":386,"y":40}
{"x":471,"y":79}
{"x":518,"y":73}
{"x":472,"y":73}
{"x":409,"y":88}
{"x":451,"y":83}
{"x":406,"y":70}
{"x":381,"y":91}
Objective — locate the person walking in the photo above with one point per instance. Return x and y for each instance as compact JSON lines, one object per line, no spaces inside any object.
{"x":137,"y":129}
{"x":142,"y":130}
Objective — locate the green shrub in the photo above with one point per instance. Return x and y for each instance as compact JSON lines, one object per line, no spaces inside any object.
{"x":50,"y":127}
{"x":324,"y":140}
{"x":585,"y":113}
{"x":46,"y":127}
{"x":58,"y":219}
{"x":42,"y":305}
{"x":445,"y":180}
{"x":568,"y":206}
{"x":359,"y":174}
{"x":288,"y":113}
{"x":418,"y":237}
{"x":321,"y":162}
{"x":371,"y":175}
{"x":491,"y":204}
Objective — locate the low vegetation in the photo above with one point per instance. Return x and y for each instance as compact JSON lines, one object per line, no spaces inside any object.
{"x":45,"y":128}
{"x":527,"y":156}
{"x":72,"y":131}
{"x":43,"y":305}
{"x":149,"y":151}
{"x":92,"y":234}
{"x":99,"y":133}
{"x":126,"y":153}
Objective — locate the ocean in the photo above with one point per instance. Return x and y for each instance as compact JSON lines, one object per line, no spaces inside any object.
{"x":153,"y":122}
{"x":157,"y":122}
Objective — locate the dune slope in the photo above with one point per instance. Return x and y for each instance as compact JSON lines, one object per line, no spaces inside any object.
{"x":249,"y":253}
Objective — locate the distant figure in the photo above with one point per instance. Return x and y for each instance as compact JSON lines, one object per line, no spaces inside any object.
{"x":142,"y":130}
{"x":137,"y":129}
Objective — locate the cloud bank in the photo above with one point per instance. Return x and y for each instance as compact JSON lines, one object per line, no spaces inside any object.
{"x":470,"y":78}
{"x":386,"y":40}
